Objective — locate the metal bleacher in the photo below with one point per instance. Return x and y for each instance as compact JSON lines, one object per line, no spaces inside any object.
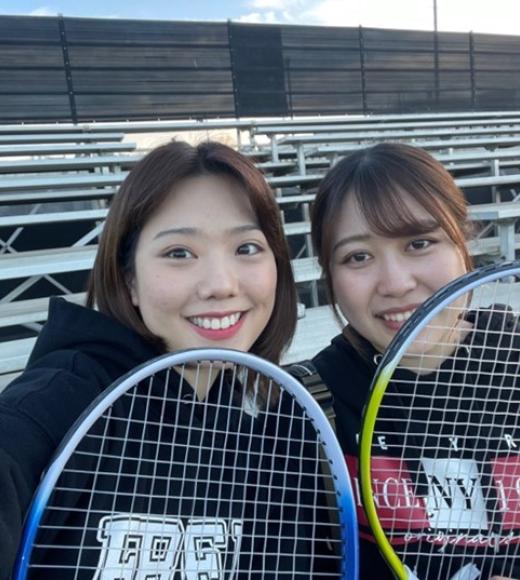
{"x":62,"y":177}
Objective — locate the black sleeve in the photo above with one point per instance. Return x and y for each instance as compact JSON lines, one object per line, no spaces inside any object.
{"x":36,"y":411}
{"x":24,"y":453}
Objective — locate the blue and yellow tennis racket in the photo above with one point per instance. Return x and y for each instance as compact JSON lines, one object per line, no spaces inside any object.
{"x":440,"y":444}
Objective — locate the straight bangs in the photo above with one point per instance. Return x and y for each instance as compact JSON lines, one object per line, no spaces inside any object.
{"x":382,"y":201}
{"x":387,"y":212}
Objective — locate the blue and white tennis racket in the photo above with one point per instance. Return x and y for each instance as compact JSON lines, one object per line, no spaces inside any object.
{"x":237,"y":476}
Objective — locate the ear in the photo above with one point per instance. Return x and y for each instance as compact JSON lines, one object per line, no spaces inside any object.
{"x":130,"y":282}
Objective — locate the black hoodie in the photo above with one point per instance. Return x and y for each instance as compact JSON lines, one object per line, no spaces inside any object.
{"x":128,"y":530}
{"x":79,"y":352}
{"x":349,"y":376}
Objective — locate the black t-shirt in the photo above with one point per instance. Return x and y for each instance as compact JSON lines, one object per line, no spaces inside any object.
{"x":79,"y":353}
{"x":462,"y":474}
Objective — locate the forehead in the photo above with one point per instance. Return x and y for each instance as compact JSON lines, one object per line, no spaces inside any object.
{"x":202,"y":199}
{"x":351,"y":218}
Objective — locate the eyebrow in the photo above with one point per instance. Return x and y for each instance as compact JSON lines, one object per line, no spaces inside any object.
{"x":422,"y":227}
{"x":187,"y":231}
{"x":350,"y":239}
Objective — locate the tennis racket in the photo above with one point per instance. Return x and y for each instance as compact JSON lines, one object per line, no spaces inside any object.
{"x":237,"y":476}
{"x":440,"y":442}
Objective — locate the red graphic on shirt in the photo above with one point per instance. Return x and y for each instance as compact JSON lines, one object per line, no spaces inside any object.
{"x":455,"y":505}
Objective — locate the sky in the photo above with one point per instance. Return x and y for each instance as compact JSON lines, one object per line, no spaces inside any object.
{"x":491,"y":16}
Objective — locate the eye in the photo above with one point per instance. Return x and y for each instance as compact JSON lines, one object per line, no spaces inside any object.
{"x":178,"y":253}
{"x":356,"y":259}
{"x":249,"y":249}
{"x":420,"y":244}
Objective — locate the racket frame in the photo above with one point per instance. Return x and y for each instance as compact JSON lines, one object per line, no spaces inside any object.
{"x":383,"y":375}
{"x":340,"y":476}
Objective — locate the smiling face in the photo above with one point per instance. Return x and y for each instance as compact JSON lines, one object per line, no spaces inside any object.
{"x":379,"y":281}
{"x":204,"y":274}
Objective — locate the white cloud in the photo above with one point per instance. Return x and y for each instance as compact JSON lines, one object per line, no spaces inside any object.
{"x":43,"y":11}
{"x":259,"y":18}
{"x":277,"y":5}
{"x":452,"y":15}
{"x":371,"y":13}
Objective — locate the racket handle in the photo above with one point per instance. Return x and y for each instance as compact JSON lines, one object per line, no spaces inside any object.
{"x":468,"y":572}
{"x":409,"y":574}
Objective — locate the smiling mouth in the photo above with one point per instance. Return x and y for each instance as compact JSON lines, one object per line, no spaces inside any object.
{"x":214,"y":323}
{"x":397,"y":316}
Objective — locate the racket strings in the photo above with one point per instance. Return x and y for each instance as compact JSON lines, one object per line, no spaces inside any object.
{"x":165,"y":482}
{"x":445,"y":453}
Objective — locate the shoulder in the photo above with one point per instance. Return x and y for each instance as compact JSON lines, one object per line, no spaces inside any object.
{"x":339,"y":356}
{"x":50,"y":395}
{"x":495,"y":327}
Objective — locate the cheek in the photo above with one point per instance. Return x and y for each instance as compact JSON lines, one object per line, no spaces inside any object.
{"x":448,"y":267}
{"x":150,"y":289}
{"x":351,"y":291}
{"x":262,"y":283}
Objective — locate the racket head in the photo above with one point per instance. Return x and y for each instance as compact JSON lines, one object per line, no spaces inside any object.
{"x":471,"y":405}
{"x":286,"y":409}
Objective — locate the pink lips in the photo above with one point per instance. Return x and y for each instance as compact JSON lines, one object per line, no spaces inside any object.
{"x":222,"y":333}
{"x":395,"y":325}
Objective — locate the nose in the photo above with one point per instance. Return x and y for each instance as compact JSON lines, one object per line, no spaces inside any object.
{"x":396,"y":277}
{"x":219,"y":279}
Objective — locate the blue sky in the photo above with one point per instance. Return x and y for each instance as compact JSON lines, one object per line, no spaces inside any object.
{"x":497,"y":16}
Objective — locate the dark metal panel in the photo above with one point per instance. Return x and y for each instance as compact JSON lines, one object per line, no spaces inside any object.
{"x":502,"y":61}
{"x":30,"y":55}
{"x":319,"y":38}
{"x":399,"y":80}
{"x":305,"y":58}
{"x":455,"y":100}
{"x":148,"y":32}
{"x":156,"y":81}
{"x":497,"y":79}
{"x":131,"y":69}
{"x":402,"y":60}
{"x":454,"y":61}
{"x":34,"y":107}
{"x":135,"y":57}
{"x":400,"y":40}
{"x":32,"y":81}
{"x":402,"y":102}
{"x":258,"y":70}
{"x":325,"y":80}
{"x":151,"y":106}
{"x":453,"y":42}
{"x":498,"y":98}
{"x":449,"y":79}
{"x":327,"y":103}
{"x":497,"y":43}
{"x":27,"y":29}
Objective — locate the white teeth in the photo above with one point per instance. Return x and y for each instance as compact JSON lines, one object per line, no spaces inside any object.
{"x":398,"y":316}
{"x":216,"y":323}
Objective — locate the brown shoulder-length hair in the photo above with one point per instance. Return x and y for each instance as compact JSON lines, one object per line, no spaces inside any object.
{"x":377,"y":177}
{"x":141,"y":194}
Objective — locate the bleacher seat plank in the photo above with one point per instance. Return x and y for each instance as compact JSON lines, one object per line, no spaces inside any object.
{"x":32,"y":310}
{"x":31,"y":139}
{"x":15,"y":354}
{"x":21,"y":198}
{"x":52,"y":217}
{"x":66,"y":181}
{"x":41,"y":262}
{"x":67,"y":163}
{"x":278,"y":129}
{"x":313,"y":332}
{"x":60,"y":182}
{"x":64,"y":149}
